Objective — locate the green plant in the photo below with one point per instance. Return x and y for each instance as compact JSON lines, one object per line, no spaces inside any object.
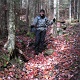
{"x":4,"y":59}
{"x":31,"y":35}
{"x":67,"y":38}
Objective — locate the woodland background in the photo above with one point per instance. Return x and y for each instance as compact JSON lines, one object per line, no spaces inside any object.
{"x":61,"y":58}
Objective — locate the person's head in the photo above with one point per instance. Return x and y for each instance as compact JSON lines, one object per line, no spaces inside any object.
{"x":42,"y":13}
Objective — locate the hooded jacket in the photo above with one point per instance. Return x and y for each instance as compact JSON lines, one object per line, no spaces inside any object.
{"x":42,"y":22}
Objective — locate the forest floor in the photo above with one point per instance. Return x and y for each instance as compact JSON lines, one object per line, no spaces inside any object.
{"x":59,"y":61}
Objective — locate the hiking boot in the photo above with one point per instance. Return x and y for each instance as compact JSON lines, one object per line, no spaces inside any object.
{"x":36,"y":53}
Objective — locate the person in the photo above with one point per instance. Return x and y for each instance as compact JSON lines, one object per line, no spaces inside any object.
{"x":40,"y":23}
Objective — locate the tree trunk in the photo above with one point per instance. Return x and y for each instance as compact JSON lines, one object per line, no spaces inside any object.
{"x":70,"y":11}
{"x":27,"y":14}
{"x":10,"y":44}
{"x":79,"y":10}
{"x":17,"y":12}
{"x":55,"y":16}
{"x":55,"y":2}
{"x":57,"y":9}
{"x":5,"y":17}
{"x":75,"y":16}
{"x":0,"y":16}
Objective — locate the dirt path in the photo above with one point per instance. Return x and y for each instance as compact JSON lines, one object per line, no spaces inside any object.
{"x":62,"y":64}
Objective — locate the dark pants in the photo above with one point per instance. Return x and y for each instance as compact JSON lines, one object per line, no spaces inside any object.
{"x":40,"y":39}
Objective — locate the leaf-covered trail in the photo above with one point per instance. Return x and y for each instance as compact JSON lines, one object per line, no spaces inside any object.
{"x":62,"y":64}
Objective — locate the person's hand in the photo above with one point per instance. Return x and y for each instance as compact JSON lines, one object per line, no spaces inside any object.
{"x":54,"y":20}
{"x":32,"y":26}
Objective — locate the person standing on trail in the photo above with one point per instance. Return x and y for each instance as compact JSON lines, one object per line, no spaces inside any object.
{"x":40,"y":23}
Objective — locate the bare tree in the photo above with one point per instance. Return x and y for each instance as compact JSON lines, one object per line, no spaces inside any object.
{"x":58,"y":9}
{"x":55,"y":5}
{"x":0,"y":16}
{"x":27,"y":12}
{"x":70,"y":11}
{"x":55,"y":16}
{"x":10,"y":44}
{"x":78,"y":9}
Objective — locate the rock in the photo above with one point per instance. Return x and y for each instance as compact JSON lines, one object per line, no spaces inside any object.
{"x":49,"y":52}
